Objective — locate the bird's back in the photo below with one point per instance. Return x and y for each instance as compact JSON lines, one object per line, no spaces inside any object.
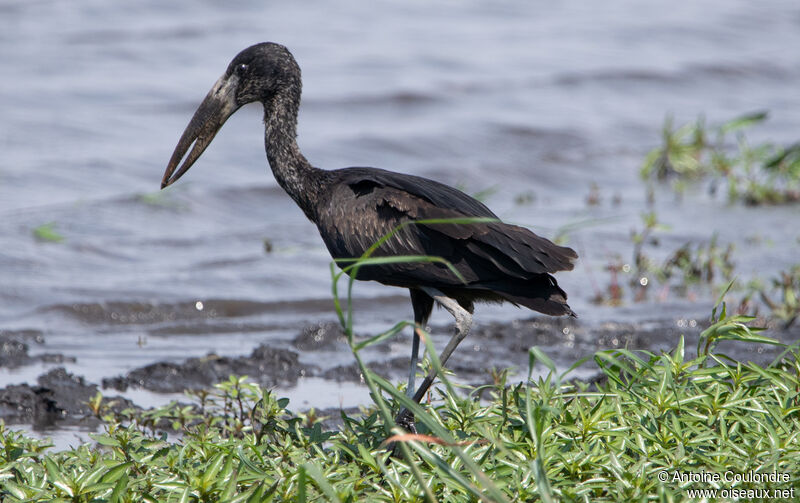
{"x":496,"y":261}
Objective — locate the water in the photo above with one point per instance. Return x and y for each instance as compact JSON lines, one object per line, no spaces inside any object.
{"x":526,"y":99}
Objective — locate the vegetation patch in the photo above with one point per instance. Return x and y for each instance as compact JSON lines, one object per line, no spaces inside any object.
{"x":764,"y":173}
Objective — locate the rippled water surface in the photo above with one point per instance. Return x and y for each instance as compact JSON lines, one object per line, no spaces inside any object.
{"x":533,"y":101}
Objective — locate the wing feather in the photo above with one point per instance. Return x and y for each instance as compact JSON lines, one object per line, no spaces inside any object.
{"x":365,"y":204}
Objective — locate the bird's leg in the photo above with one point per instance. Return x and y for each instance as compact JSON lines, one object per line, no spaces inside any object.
{"x":412,"y":373}
{"x":423,"y":305}
{"x":407,"y":420}
{"x":463,"y":324}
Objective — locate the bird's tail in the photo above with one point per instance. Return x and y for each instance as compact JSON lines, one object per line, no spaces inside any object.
{"x":540,"y":293}
{"x":554,"y":306}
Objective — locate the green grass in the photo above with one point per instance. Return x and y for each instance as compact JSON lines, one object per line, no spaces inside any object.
{"x":757,"y":174}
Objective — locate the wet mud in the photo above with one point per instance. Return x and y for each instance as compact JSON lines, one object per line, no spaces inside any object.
{"x":58,"y":399}
{"x":318,"y":336}
{"x":265,"y":365}
{"x":62,"y":398}
{"x":15,"y":346}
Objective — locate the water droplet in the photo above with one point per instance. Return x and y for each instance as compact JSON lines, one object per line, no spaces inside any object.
{"x":643,"y":281}
{"x":198,"y":305}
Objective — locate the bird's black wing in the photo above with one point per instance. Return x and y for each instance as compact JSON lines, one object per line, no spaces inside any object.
{"x":365,"y":204}
{"x":436,"y":193}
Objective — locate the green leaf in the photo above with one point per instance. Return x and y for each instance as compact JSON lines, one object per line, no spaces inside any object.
{"x":104,"y":439}
{"x":382,"y":336}
{"x":744,"y":121}
{"x":46,"y":232}
{"x":54,"y":474}
{"x":316,"y":475}
{"x":119,"y":489}
{"x":15,"y":490}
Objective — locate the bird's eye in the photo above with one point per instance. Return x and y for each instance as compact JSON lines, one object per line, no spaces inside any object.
{"x":241,"y":68}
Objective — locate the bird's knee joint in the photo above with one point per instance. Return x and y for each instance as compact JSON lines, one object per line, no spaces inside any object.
{"x":463,"y":322}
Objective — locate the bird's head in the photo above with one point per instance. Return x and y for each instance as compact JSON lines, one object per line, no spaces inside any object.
{"x":262,"y":72}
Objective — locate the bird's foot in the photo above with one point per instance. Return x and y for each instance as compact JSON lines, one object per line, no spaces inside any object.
{"x":404,"y":420}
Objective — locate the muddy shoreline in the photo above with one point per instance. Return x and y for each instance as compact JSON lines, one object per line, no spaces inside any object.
{"x":60,"y":399}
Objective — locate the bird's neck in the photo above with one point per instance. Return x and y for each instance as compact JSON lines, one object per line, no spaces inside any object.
{"x":293,"y":172}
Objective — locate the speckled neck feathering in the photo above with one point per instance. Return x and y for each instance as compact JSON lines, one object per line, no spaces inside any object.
{"x":293,"y":172}
{"x":353,"y":208}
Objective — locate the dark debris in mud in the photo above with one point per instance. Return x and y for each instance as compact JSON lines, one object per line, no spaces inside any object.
{"x":15,"y":346}
{"x":352,"y":373}
{"x":266,"y":365}
{"x":58,"y":397}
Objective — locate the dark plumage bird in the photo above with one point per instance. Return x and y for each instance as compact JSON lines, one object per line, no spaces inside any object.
{"x":354,"y":207}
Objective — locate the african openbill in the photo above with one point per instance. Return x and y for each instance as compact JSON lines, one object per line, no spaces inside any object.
{"x":354,"y":207}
